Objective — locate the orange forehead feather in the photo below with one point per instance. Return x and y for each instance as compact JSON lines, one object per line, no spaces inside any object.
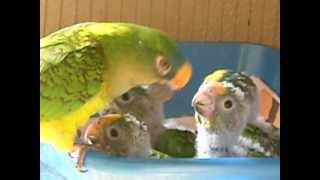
{"x":219,"y":88}
{"x":108,"y":119}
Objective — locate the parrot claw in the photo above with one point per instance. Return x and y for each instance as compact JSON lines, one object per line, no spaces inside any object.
{"x":73,"y":155}
{"x":78,"y":154}
{"x":79,"y":164}
{"x":80,"y":168}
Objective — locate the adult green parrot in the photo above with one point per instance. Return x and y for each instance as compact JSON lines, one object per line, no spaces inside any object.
{"x":84,"y":66}
{"x":226,"y":104}
{"x":147,"y":104}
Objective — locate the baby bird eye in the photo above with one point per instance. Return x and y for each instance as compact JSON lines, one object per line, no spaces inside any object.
{"x":113,"y":133}
{"x":125,"y":98}
{"x":228,"y":104}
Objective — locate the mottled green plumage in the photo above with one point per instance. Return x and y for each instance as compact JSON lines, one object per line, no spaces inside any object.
{"x":158,"y":155}
{"x":84,"y":66}
{"x":269,"y":142}
{"x":70,"y":82}
{"x":177,"y":143}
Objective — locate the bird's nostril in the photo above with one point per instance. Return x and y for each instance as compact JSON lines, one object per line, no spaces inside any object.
{"x":199,"y":103}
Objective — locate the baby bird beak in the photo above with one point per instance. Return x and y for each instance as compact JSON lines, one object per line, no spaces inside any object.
{"x":203,"y":101}
{"x":93,"y":132}
{"x":203,"y":104}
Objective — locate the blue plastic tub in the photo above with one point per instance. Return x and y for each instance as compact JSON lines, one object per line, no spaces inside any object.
{"x":205,"y":57}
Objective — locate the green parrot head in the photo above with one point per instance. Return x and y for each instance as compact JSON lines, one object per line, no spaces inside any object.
{"x":225,"y":101}
{"x":144,"y":55}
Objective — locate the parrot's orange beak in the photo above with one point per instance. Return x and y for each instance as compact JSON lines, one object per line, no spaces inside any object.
{"x":182,"y":77}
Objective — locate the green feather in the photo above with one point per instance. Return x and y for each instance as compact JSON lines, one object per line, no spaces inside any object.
{"x":67,"y":81}
{"x":267,"y":141}
{"x":177,"y":143}
{"x":158,"y":155}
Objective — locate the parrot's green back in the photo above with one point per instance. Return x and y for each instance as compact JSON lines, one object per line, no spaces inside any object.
{"x":79,"y":63}
{"x":177,"y":143}
{"x":71,"y":74}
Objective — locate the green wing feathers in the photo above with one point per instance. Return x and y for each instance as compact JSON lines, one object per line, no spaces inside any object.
{"x":71,"y":71}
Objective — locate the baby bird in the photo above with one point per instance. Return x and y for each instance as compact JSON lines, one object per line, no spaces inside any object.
{"x":115,"y":135}
{"x":225,"y":103}
{"x":147,"y":104}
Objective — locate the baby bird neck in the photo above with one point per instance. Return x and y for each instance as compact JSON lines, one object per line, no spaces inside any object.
{"x":210,"y":143}
{"x":153,"y":118}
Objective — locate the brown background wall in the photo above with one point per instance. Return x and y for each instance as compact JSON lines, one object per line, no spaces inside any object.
{"x":256,"y":21}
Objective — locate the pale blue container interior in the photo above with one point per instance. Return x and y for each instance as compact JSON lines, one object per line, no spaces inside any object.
{"x":262,"y":61}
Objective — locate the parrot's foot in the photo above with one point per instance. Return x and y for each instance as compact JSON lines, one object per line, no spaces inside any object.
{"x":78,"y":153}
{"x":81,"y":169}
{"x":73,"y":154}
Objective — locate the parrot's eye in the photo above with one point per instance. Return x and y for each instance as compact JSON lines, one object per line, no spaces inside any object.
{"x":126,"y":98}
{"x":163,"y":65}
{"x":113,"y":133}
{"x":228,"y":104}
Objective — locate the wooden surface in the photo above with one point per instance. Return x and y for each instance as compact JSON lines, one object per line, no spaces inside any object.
{"x":256,"y":21}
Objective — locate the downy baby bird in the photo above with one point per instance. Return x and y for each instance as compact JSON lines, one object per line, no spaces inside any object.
{"x":147,"y":104}
{"x":225,"y":104}
{"x":114,"y":135}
